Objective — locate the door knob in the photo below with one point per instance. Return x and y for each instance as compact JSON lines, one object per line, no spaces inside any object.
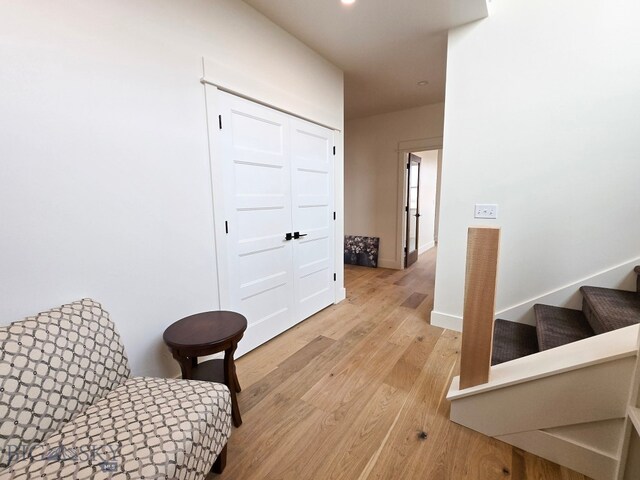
{"x":297,"y":235}
{"x":288,"y":236}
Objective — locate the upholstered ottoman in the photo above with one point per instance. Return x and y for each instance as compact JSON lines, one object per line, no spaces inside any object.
{"x":69,"y":408}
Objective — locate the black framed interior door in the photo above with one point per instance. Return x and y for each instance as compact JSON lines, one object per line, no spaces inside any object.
{"x":412,"y":210}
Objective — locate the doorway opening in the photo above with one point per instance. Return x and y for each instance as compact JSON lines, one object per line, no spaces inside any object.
{"x":412,"y":210}
{"x":421,"y":202}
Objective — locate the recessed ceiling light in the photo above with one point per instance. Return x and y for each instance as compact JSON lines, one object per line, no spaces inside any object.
{"x":348,"y":2}
{"x":422,"y":83}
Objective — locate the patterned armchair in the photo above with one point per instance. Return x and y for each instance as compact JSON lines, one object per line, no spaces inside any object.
{"x":69,"y":408}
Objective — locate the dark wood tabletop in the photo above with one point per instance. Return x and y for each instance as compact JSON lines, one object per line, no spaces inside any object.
{"x":205,"y":329}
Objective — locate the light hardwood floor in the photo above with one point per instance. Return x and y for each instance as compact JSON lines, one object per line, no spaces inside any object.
{"x":358,"y":392}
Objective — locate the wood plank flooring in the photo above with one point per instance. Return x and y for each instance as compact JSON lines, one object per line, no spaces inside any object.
{"x":357,"y":392}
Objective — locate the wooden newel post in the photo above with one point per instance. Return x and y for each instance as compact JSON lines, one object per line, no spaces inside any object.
{"x":479,"y":305}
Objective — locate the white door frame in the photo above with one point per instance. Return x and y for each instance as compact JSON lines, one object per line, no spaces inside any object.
{"x":404,"y":149}
{"x":211,"y":93}
{"x":216,"y":172}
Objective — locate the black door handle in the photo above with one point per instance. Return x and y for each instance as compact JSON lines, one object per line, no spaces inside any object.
{"x":297,"y":235}
{"x":288,"y":236}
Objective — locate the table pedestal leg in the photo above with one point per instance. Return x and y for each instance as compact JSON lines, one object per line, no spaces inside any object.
{"x":231,"y":380}
{"x":186,"y":365}
{"x":235,"y":377}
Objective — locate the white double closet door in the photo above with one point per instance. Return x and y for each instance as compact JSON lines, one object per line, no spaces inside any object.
{"x":279,"y":212}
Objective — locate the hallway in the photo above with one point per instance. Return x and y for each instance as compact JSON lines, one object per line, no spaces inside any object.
{"x":357,"y":392}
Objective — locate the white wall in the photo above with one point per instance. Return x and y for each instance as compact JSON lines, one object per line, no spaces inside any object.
{"x":372,"y":161}
{"x":104,"y":174}
{"x":542,"y":115}
{"x":428,"y":184}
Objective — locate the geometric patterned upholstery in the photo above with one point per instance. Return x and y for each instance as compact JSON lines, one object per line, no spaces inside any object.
{"x":67,"y":404}
{"x":145,"y":428}
{"x":52,"y":367}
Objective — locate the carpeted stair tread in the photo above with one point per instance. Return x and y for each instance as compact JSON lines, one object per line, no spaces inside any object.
{"x":512,"y":340}
{"x":607,"y":309}
{"x":556,"y":326}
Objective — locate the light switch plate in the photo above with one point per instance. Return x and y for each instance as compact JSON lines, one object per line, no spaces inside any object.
{"x":486,"y":210}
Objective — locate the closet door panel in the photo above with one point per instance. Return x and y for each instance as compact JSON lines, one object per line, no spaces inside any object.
{"x":312,"y":208}
{"x":257,"y":181}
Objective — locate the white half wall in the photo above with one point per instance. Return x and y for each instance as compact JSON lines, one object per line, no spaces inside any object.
{"x":104,"y":165}
{"x":372,"y":148}
{"x":542,"y":119}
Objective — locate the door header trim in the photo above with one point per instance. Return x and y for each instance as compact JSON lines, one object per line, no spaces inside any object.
{"x":222,"y":88}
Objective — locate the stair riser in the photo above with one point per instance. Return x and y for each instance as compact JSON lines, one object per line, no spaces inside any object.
{"x":556,"y":326}
{"x":592,"y":318}
{"x":608,"y":309}
{"x":512,"y":340}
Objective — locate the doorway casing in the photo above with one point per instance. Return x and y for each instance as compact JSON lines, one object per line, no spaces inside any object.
{"x":406,"y":147}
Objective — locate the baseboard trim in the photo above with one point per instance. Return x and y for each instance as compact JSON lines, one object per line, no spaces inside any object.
{"x":425,"y":247}
{"x":390,"y":263}
{"x":620,"y":276}
{"x":444,"y":320}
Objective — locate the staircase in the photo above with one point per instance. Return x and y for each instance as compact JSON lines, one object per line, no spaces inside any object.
{"x":566,"y":389}
{"x":603,"y":310}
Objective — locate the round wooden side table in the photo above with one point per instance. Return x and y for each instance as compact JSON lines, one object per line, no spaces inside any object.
{"x":205,"y":334}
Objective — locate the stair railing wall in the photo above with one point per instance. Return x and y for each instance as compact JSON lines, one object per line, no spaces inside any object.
{"x":629,"y":468}
{"x":479,"y":305}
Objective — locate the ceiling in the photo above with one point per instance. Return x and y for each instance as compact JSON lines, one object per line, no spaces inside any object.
{"x":385,"y":47}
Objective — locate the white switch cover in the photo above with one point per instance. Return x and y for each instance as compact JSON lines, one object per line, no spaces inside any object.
{"x":486,"y":211}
